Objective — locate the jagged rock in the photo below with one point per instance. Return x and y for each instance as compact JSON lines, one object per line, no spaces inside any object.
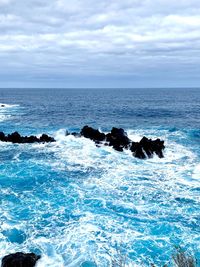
{"x":119,"y":140}
{"x":30,"y":139}
{"x":93,"y":134}
{"x":14,"y":138}
{"x":2,"y":137}
{"x":147,"y":147}
{"x":45,"y":138}
{"x":158,"y":146}
{"x":17,"y":138}
{"x":137,"y":150}
{"x":20,"y":259}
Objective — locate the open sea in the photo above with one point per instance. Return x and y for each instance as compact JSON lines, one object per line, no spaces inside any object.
{"x":79,"y":205}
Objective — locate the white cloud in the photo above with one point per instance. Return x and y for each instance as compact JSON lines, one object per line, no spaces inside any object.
{"x":100,"y":34}
{"x":4,"y":2}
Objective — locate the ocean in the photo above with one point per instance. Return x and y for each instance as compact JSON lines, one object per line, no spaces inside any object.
{"x":76,"y":204}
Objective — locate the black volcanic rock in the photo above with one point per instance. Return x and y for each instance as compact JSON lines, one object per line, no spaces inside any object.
{"x":137,"y":150}
{"x":14,"y":138}
{"x":92,"y":134}
{"x":119,"y":140}
{"x":30,"y":139}
{"x":20,"y":259}
{"x":45,"y":138}
{"x":158,"y":146}
{"x":147,"y":147}
{"x":17,"y":138}
{"x":2,"y":137}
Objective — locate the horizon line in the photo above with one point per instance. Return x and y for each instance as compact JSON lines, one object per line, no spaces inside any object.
{"x":99,"y":88}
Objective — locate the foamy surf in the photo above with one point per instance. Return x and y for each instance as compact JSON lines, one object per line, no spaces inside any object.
{"x":3,"y":105}
{"x":7,"y":111}
{"x":79,"y":205}
{"x":91,"y":198}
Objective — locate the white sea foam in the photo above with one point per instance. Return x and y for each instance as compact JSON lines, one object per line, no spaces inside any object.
{"x":196,"y":172}
{"x":170,"y":172}
{"x":115,"y":198}
{"x":7,"y":111}
{"x":4,"y":117}
{"x":3,"y":105}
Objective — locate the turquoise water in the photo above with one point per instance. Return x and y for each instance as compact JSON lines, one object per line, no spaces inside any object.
{"x":76,"y":204}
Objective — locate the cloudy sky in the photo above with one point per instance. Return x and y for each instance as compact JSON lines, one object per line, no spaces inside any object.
{"x":107,"y":43}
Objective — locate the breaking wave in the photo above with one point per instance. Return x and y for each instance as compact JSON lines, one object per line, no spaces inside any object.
{"x":75,"y":203}
{"x":7,"y":111}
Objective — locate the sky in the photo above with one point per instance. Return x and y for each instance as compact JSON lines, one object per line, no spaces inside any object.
{"x":92,"y":43}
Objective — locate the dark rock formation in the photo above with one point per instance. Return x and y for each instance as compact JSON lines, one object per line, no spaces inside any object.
{"x":17,"y":138}
{"x":137,"y":150}
{"x":45,"y":138}
{"x":2,"y":137}
{"x":93,"y":134}
{"x":147,"y":147}
{"x":20,"y":259}
{"x":119,"y":140}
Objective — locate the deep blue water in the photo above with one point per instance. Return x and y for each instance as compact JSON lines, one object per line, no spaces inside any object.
{"x":77,"y":204}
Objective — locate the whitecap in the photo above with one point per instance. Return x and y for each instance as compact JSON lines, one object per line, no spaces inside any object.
{"x":117,"y":199}
{"x":7,"y":111}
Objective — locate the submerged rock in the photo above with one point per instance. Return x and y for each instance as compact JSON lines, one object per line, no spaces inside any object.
{"x":20,"y":259}
{"x":119,"y":140}
{"x":17,"y":138}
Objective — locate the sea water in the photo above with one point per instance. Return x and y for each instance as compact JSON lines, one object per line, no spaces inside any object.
{"x":80,"y":205}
